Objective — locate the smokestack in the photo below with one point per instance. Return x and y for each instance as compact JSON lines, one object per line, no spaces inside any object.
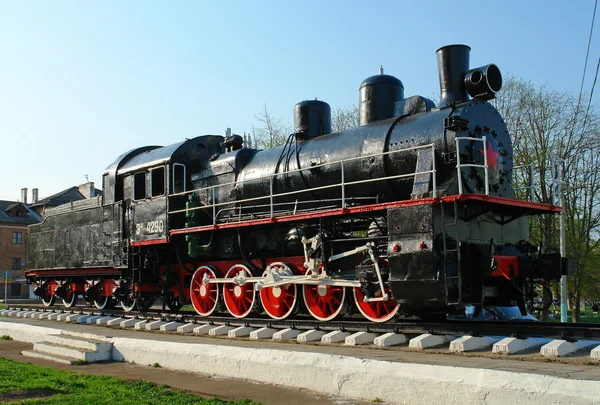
{"x":24,"y":195}
{"x":34,"y":196}
{"x":453,"y":63}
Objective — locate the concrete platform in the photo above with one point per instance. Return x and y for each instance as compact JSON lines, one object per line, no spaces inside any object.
{"x":128,"y":323}
{"x":203,"y":329}
{"x":115,"y":322}
{"x":187,"y":328}
{"x":427,"y":340}
{"x":310,"y":336}
{"x":83,"y":318}
{"x":389,"y":339}
{"x":392,"y":375}
{"x":286,"y":334}
{"x":92,"y":320}
{"x":140,"y":324}
{"x":360,"y":338}
{"x":335,"y":336}
{"x":170,"y":326}
{"x":513,"y":345}
{"x":470,"y":343}
{"x":104,"y":320}
{"x":220,"y":330}
{"x":154,"y":325}
{"x":241,"y":331}
{"x":262,"y":333}
{"x":595,"y":353}
{"x":560,"y":348}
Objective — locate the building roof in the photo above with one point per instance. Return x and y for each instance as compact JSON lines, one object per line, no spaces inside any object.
{"x":63,"y":197}
{"x":17,"y":213}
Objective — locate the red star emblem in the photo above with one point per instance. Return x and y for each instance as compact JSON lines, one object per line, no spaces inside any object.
{"x":492,"y":156}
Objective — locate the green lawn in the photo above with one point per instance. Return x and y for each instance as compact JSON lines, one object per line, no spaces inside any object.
{"x":24,"y":381}
{"x":586,"y":316}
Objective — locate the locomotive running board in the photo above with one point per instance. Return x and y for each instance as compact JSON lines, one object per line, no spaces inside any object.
{"x":527,"y":208}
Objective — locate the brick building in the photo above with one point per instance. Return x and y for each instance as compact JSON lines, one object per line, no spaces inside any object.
{"x":14,"y":218}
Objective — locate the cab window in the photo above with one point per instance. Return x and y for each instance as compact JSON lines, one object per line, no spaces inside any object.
{"x":158,"y":181}
{"x":139,"y":186}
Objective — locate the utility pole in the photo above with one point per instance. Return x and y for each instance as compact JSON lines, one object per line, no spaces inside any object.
{"x":558,"y":195}
{"x":6,"y":275}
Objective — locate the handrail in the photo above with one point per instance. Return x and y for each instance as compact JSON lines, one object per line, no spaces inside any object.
{"x":211,"y":190}
{"x":484,"y":166}
{"x":531,"y":186}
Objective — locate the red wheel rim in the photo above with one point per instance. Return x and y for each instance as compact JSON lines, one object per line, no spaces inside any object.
{"x":279,"y":302}
{"x":378,"y":311}
{"x":204,"y":296}
{"x":324,"y":302}
{"x":239,"y":299}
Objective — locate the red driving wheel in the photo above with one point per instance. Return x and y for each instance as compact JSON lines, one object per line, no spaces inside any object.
{"x":239,"y":299}
{"x":205,"y":297}
{"x":377,"y":311}
{"x":280,"y":301}
{"x":324,"y":302}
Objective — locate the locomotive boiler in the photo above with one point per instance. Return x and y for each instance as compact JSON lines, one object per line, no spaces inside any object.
{"x":412,"y":212}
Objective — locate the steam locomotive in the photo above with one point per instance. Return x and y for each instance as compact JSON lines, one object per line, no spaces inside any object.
{"x":412,"y":212}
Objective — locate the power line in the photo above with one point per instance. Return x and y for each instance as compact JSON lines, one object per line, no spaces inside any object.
{"x":587,"y":54}
{"x":591,"y":95}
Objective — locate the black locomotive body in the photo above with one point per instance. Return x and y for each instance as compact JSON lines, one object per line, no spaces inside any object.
{"x":413,"y":211}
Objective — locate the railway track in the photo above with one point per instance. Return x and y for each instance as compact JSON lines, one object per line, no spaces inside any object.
{"x":409,"y":326}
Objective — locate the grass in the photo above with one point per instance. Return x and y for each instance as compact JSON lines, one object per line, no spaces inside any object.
{"x":2,"y":306}
{"x":26,"y":382}
{"x":6,"y":337}
{"x":585,"y":316}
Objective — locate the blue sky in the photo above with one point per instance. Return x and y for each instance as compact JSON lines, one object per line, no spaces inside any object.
{"x":83,"y":81}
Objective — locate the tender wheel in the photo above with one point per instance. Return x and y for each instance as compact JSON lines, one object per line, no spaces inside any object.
{"x":279,"y":302}
{"x":145,"y":303}
{"x":378,"y":311}
{"x":239,"y":299}
{"x":49,"y":300}
{"x":174,"y":303}
{"x":205,"y":297}
{"x":324,"y":302}
{"x":72,"y":296}
{"x":129,"y":304}
{"x":105,"y":301}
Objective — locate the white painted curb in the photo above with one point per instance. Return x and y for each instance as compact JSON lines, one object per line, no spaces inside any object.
{"x":349,"y":377}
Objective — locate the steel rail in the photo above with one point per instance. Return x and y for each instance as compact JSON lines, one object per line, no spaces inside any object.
{"x":411,"y":326}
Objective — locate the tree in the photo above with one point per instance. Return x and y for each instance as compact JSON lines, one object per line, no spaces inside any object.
{"x":552,"y":131}
{"x":271,"y":131}
{"x":344,"y":118}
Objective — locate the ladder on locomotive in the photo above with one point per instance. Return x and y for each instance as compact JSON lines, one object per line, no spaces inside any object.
{"x":453,"y":262}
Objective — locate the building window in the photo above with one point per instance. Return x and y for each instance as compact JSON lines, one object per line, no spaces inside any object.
{"x":15,"y":289}
{"x":17,"y":238}
{"x":16,"y":263}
